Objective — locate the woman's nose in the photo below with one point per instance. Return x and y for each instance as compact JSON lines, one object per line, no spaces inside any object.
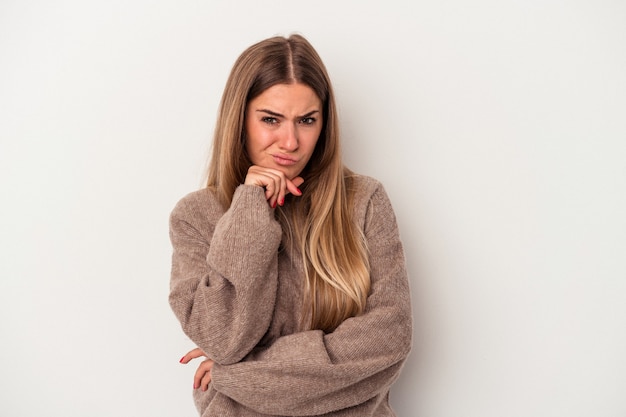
{"x":289,"y":138}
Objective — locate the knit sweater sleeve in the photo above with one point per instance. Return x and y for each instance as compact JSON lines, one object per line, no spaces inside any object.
{"x":224,"y":272}
{"x":313,"y":373}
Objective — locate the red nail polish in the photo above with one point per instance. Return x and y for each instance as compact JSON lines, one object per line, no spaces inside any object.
{"x":274,"y":204}
{"x":181,"y":360}
{"x":299,"y":191}
{"x":282,"y":202}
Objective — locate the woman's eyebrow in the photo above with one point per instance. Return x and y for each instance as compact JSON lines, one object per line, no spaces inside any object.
{"x":271,"y":113}
{"x":311,"y":113}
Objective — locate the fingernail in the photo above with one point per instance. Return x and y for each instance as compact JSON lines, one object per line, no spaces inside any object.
{"x":282,"y":202}
{"x":274,"y":204}
{"x":299,"y":191}
{"x":181,"y":360}
{"x":195,"y":386}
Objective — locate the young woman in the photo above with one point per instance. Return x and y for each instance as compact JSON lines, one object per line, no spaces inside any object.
{"x":288,"y":272}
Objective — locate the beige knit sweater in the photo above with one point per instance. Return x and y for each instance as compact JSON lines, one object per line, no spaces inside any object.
{"x":238,"y":298}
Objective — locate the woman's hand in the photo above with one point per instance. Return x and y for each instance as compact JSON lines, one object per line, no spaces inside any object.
{"x":276,"y":184}
{"x":202,"y":378}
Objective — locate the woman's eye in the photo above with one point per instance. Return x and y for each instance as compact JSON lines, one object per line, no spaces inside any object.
{"x":269,"y":120}
{"x":308,"y":120}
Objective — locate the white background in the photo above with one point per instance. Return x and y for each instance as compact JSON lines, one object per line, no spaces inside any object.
{"x":497,"y":127}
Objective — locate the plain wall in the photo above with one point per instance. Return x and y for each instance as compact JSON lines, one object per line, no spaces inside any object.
{"x":497,"y":127}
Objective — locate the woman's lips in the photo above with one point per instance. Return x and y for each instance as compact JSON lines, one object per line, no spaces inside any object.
{"x":284,"y":160}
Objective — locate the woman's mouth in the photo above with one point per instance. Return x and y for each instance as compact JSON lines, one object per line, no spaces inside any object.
{"x":284,"y":160}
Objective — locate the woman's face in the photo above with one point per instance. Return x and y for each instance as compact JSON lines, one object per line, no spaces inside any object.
{"x":283,"y":125}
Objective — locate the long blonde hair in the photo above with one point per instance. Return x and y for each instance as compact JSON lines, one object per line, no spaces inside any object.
{"x":320,"y":222}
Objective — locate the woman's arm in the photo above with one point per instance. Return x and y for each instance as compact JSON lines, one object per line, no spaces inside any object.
{"x":312,"y":373}
{"x":224,"y":272}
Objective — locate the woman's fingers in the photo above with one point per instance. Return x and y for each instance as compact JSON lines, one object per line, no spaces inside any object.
{"x":266,"y":178}
{"x":292,"y":186}
{"x":202,"y":377}
{"x":192,"y":354}
{"x":275,"y":183}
